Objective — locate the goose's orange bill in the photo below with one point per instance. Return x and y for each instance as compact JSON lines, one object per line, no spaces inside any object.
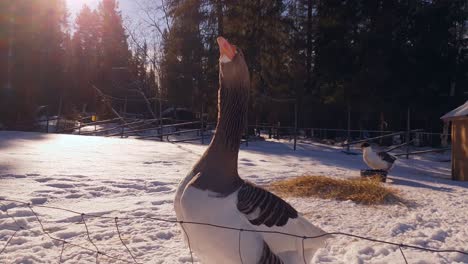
{"x":225,"y":48}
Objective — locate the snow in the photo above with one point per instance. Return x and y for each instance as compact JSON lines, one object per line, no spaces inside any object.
{"x":114,"y":177}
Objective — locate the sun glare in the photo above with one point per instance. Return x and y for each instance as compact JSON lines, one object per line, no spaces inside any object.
{"x":74,"y":6}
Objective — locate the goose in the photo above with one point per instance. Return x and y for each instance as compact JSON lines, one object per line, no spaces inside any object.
{"x":377,"y":160}
{"x":213,"y":193}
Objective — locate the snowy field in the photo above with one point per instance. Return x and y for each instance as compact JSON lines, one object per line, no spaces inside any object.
{"x":137,"y":179}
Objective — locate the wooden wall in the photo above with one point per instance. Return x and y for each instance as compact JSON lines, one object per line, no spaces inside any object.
{"x":460,"y":149}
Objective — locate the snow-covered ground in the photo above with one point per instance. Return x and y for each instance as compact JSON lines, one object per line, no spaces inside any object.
{"x":138,"y":178}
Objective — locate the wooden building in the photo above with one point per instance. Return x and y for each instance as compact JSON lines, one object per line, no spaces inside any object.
{"x":459,"y":119}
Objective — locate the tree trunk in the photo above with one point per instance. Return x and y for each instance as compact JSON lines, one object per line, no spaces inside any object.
{"x":309,"y":44}
{"x":219,"y":14}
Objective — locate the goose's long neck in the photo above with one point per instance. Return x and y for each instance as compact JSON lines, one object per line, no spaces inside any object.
{"x":232,"y":115}
{"x":217,"y":168}
{"x":367,"y":150}
{"x":222,"y":154}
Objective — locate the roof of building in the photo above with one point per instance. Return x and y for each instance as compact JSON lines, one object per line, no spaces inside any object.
{"x":461,"y":111}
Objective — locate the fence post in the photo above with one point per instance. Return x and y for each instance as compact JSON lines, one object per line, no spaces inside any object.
{"x":295,"y":125}
{"x":57,"y":123}
{"x":247,"y":137}
{"x":381,"y":127}
{"x":407,"y":133}
{"x":277,"y":130}
{"x":125,"y":114}
{"x":47,"y":124}
{"x":201,"y":128}
{"x":247,"y":133}
{"x":349,"y":126}
{"x":246,"y":128}
{"x":160,"y":119}
{"x":125,"y":107}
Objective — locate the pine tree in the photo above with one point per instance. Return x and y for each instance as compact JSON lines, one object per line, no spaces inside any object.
{"x":36,"y":34}
{"x":183,"y":52}
{"x":114,"y":53}
{"x":6,"y":60}
{"x":85,"y":58}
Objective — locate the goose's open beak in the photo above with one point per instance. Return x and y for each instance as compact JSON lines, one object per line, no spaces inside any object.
{"x":225,"y":48}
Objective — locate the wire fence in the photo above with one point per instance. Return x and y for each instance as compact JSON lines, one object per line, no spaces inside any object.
{"x":133,"y":259}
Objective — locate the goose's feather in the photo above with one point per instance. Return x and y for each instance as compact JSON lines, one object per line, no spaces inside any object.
{"x":386,"y":157}
{"x":250,"y":208}
{"x":378,"y":161}
{"x":262,"y":207}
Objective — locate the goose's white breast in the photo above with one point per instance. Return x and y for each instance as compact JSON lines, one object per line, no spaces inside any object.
{"x":213,"y":244}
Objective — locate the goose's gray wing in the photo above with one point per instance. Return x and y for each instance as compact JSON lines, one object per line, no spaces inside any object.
{"x":386,"y":157}
{"x":262,"y":207}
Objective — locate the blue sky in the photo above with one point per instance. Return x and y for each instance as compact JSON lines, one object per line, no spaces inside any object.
{"x":132,"y":14}
{"x":128,"y":7}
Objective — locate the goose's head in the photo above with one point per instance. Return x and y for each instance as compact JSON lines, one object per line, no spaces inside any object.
{"x":233,"y":94}
{"x":227,"y":51}
{"x":233,"y":71}
{"x":365,"y":145}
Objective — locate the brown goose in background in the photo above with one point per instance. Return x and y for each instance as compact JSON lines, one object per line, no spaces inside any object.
{"x":213,"y":192}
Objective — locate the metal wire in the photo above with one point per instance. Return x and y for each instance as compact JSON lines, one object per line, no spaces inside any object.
{"x":8,"y":241}
{"x":303,"y":251}
{"x":403,"y":254}
{"x":121,"y":240}
{"x":89,"y":238}
{"x":239,"y":246}
{"x":182,"y":223}
{"x":188,"y":239}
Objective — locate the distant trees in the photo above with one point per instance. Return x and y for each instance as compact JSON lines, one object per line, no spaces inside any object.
{"x":101,"y":56}
{"x":366,"y":56}
{"x":189,"y":69}
{"x":32,"y":56}
{"x":114,"y":48}
{"x":85,"y":57}
{"x":48,"y":61}
{"x":375,"y":58}
{"x":181,"y":71}
{"x":381,"y":54}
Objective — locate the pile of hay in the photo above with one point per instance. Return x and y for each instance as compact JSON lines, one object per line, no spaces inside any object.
{"x":361,"y":190}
